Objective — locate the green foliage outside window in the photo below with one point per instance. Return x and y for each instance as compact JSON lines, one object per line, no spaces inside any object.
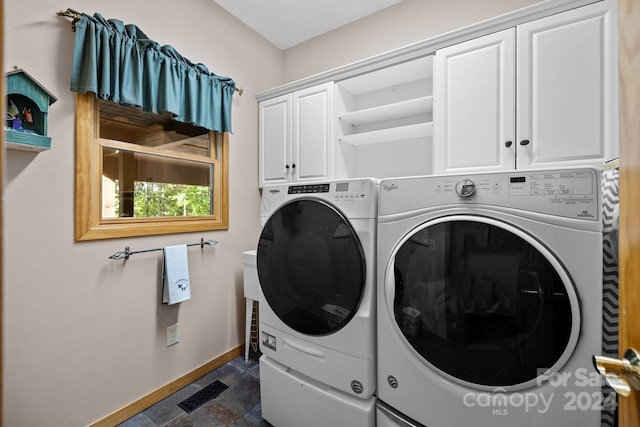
{"x":152,"y":199}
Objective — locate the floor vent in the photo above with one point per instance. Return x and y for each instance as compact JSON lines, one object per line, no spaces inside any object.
{"x":201,"y":397}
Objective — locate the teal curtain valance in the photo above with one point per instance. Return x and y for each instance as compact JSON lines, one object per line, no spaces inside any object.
{"x":120,"y":63}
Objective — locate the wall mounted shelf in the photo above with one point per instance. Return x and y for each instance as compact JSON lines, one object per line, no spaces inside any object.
{"x":420,"y":130}
{"x":412,"y":107}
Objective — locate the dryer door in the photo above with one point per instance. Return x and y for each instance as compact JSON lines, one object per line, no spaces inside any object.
{"x":482,"y":302}
{"x":311,"y":267}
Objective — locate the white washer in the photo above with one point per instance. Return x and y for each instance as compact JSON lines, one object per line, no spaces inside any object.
{"x":490,"y":299}
{"x":316,"y":267}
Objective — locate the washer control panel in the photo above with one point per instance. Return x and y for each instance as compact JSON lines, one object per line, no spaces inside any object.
{"x":339,"y":191}
{"x":354,"y":197}
{"x":308,"y":188}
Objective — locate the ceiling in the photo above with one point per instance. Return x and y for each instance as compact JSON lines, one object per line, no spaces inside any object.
{"x":286,"y":23}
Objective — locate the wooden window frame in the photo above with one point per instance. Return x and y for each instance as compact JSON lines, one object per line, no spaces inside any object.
{"x":88,"y":180}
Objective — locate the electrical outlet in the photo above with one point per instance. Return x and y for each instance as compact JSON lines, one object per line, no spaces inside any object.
{"x":172,"y":335}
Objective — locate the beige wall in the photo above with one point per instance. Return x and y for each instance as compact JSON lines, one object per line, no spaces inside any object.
{"x":84,"y":335}
{"x":399,"y":25}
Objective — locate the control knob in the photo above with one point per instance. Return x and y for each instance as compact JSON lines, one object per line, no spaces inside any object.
{"x":465,"y":188}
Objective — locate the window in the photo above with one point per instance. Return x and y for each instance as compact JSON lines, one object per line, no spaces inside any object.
{"x":143,"y":174}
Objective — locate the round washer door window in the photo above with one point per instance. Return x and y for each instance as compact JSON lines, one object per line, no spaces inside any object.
{"x":311,"y":267}
{"x":482,"y":302}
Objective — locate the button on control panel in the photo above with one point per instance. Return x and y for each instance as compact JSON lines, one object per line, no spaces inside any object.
{"x":465,"y":188}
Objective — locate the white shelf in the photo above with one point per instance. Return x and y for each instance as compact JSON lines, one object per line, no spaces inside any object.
{"x":385,"y":121}
{"x":404,"y":72}
{"x":412,"y":107}
{"x":419,"y":130}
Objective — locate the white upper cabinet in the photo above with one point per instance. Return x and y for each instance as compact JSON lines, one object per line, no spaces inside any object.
{"x":564,"y":99}
{"x":534,"y":88}
{"x":296,"y":136}
{"x":538,"y":95}
{"x":313,"y":133}
{"x":275,"y":140}
{"x":474,"y":112}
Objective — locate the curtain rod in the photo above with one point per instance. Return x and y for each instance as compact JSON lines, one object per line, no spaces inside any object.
{"x":126,"y":253}
{"x":70,"y":13}
{"x":75,"y":16}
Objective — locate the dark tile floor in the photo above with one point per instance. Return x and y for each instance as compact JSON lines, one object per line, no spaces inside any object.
{"x":237,"y":406}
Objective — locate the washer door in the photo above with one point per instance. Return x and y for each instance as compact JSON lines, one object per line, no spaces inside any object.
{"x":482,"y":302}
{"x":311,"y":267}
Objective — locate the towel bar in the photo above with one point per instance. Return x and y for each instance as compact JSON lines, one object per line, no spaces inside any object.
{"x":126,"y":253}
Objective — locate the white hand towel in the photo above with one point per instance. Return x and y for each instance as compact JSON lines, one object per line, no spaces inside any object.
{"x":175,"y":275}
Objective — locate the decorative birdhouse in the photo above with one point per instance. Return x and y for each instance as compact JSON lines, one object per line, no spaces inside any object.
{"x":27,"y":112}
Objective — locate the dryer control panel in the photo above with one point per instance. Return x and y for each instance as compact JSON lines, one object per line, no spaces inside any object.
{"x":551,"y":184}
{"x":570,"y":193}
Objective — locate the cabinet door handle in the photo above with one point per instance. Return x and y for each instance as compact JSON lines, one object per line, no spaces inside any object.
{"x":508,"y":144}
{"x":286,"y":167}
{"x":293,"y":166}
{"x":524,"y":142}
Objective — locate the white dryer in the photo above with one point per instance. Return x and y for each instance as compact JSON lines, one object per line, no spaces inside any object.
{"x":490,"y":299}
{"x":316,"y":267}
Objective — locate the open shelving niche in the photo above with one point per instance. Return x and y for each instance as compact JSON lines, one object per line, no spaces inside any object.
{"x":385,"y":122}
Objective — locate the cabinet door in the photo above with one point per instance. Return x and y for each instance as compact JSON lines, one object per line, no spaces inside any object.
{"x":275,"y":140}
{"x":474,"y":105}
{"x":564,"y":99}
{"x":313,"y":133}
